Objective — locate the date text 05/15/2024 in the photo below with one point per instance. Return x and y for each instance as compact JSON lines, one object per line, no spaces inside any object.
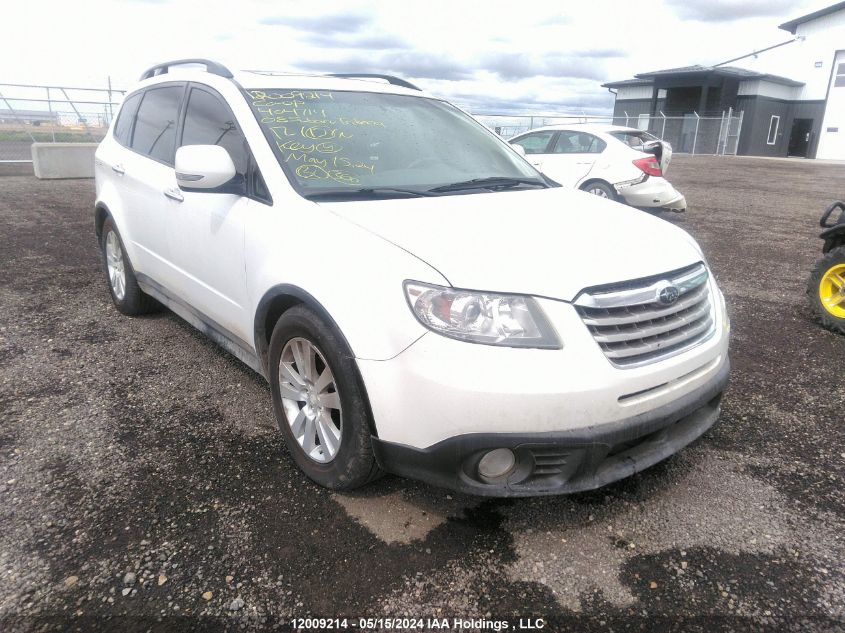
{"x":417,"y":624}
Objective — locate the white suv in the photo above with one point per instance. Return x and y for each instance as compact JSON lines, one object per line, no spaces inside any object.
{"x":421,"y":300}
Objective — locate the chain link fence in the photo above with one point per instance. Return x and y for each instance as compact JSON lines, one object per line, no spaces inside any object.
{"x":688,"y":134}
{"x":52,"y":114}
{"x":61,"y":114}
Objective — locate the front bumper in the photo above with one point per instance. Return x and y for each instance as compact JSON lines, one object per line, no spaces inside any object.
{"x":562,"y":461}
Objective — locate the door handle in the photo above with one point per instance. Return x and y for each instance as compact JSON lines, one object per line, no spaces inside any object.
{"x":118,"y":169}
{"x":584,"y":162}
{"x":174,"y":194}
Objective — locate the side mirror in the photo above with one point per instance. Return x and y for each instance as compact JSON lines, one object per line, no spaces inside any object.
{"x":519,"y":149}
{"x":203,"y":167}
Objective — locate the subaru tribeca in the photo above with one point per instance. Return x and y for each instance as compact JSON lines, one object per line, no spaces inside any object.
{"x":421,"y":300}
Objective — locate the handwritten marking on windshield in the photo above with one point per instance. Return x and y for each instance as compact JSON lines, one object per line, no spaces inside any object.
{"x":309,"y":137}
{"x":308,"y":172}
{"x":308,"y":148}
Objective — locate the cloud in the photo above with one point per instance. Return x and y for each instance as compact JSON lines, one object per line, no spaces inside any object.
{"x":555,"y":20}
{"x":366,"y":42}
{"x":517,"y":104}
{"x":729,"y":10}
{"x":416,"y":65}
{"x":422,"y":65}
{"x":325,"y":24}
{"x":585,"y":65}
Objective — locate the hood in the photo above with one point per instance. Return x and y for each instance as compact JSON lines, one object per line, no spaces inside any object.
{"x":548,"y":242}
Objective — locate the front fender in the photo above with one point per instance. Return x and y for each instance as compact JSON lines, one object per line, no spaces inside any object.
{"x":350,"y":276}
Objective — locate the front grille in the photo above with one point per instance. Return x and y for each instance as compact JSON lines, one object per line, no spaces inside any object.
{"x":634,"y":327}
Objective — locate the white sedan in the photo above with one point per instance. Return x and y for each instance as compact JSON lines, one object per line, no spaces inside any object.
{"x":620,"y":163}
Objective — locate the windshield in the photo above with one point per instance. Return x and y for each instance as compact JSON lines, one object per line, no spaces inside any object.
{"x":338,"y":140}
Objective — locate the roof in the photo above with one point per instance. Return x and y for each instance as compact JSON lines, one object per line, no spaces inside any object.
{"x":190,"y":69}
{"x":627,"y":82}
{"x":595,"y":128}
{"x":269,"y":79}
{"x":742,"y":74}
{"x":792,"y":25}
{"x":265,"y":80}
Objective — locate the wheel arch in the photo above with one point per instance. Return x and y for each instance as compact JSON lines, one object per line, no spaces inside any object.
{"x":101,"y":212}
{"x":273,"y":304}
{"x":583,"y":186}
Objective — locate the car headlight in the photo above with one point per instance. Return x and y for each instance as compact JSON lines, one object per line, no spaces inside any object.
{"x":481,"y":317}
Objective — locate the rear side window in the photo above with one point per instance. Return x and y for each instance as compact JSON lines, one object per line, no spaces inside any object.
{"x":155,"y":128}
{"x":535,"y":143}
{"x":209,"y":122}
{"x":123,"y":126}
{"x":578,"y":143}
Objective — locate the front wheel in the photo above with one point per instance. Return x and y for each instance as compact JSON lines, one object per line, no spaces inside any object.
{"x":319,"y":402}
{"x":600,"y":189}
{"x":826,"y":290}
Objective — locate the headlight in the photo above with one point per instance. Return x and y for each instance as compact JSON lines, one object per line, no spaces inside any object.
{"x":481,"y":317}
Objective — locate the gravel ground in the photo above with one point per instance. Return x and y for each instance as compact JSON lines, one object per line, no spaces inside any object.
{"x":143,"y":485}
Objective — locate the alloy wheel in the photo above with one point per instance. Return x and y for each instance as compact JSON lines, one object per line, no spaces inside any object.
{"x":115,"y":265}
{"x":310,"y":399}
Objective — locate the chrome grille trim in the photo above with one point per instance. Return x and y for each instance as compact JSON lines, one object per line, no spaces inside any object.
{"x":635,"y":314}
{"x":686,"y":280}
{"x":633,"y":328}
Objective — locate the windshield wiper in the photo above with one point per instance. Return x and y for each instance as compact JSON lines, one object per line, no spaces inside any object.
{"x":366,"y":192}
{"x":493,"y":182}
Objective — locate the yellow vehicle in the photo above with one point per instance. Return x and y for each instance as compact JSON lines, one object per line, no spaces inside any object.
{"x":826,"y":288}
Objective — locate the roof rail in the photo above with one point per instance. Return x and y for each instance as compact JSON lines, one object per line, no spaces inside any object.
{"x":396,"y":81}
{"x":214,"y":68}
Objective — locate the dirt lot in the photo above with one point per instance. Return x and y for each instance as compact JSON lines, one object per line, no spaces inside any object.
{"x":143,"y":484}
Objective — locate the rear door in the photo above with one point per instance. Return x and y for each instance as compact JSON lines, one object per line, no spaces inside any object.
{"x":572,"y":156}
{"x":150,"y":180}
{"x":207,"y":228}
{"x":110,"y":164}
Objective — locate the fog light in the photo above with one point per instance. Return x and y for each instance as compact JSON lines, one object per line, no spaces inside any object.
{"x":497,"y":463}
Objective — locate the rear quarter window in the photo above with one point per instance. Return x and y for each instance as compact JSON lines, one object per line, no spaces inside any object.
{"x":123,"y":126}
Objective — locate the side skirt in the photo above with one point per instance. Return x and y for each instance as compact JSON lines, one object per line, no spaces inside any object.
{"x":204,"y":324}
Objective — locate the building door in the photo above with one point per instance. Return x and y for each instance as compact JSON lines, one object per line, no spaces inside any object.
{"x":799,"y":138}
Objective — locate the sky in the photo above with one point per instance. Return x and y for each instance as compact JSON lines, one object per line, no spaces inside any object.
{"x":532,"y":56}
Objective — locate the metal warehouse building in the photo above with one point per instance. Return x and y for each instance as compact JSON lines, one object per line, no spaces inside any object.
{"x":792,"y":94}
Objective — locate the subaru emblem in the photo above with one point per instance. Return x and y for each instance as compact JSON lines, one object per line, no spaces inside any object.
{"x":668,"y":294}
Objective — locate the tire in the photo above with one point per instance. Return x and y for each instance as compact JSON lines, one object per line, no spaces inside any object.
{"x":826,"y":290}
{"x":123,"y":286}
{"x":601,"y":189}
{"x":326,"y":425}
